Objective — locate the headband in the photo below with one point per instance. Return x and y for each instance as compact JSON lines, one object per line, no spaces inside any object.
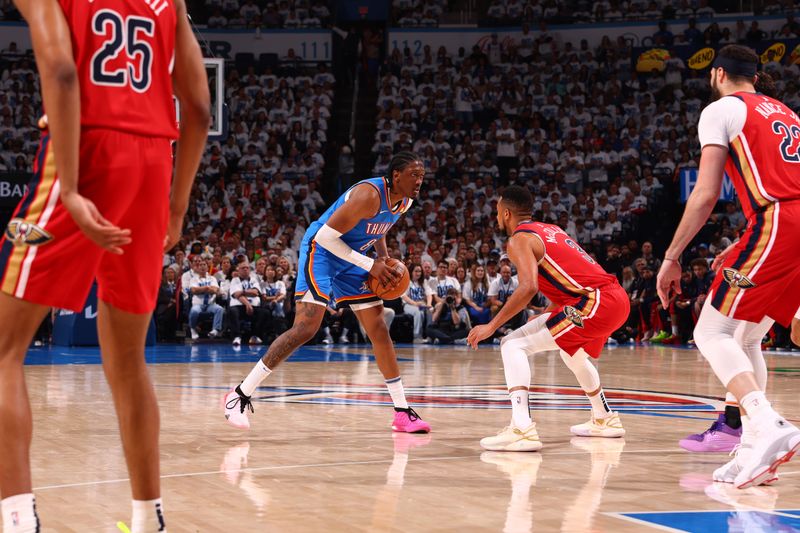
{"x":736,"y":67}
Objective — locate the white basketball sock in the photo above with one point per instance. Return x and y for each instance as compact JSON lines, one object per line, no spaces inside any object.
{"x":748,"y":430}
{"x":19,"y":514}
{"x":396,"y":391}
{"x":600,"y":408}
{"x":148,"y":516}
{"x":758,"y":408}
{"x":254,"y":378}
{"x":520,"y":410}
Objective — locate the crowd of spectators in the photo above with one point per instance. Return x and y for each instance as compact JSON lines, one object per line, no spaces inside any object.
{"x":289,"y":14}
{"x":276,"y":14}
{"x":255,"y":194}
{"x":511,"y":12}
{"x":598,"y":144}
{"x":20,"y":104}
{"x":417,"y":13}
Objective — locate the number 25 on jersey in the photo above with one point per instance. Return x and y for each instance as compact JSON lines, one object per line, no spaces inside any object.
{"x":126,"y":56}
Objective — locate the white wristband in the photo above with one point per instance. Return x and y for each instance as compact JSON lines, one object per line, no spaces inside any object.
{"x":330,"y":239}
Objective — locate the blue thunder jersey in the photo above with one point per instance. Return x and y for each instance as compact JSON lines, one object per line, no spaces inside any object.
{"x":368,"y":230}
{"x":323,"y":274}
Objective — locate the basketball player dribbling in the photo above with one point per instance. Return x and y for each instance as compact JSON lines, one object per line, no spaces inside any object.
{"x":333,"y":262}
{"x":754,"y":139}
{"x":100,"y":207}
{"x":588,"y":306}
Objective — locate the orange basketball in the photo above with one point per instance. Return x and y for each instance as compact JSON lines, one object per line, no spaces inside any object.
{"x":390,"y":292}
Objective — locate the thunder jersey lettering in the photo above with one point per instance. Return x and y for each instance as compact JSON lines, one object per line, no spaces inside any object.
{"x":764,"y":159}
{"x":368,"y":230}
{"x":565,"y":271}
{"x":124,"y":52}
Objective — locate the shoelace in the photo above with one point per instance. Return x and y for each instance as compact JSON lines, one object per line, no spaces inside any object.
{"x":244,"y":403}
{"x":412,"y":415}
{"x":714,"y":427}
{"x":735,"y":450}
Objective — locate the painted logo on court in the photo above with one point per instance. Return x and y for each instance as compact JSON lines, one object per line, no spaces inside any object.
{"x":556,"y":397}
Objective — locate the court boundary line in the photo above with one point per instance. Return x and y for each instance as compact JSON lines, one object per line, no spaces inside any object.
{"x":639,"y":522}
{"x":623,"y":515}
{"x":315,"y":465}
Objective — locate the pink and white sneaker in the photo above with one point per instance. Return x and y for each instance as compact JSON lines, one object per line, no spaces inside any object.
{"x":235,"y":406}
{"x":408,"y":421}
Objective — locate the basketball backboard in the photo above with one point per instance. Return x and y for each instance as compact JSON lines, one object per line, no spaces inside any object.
{"x":215,"y":69}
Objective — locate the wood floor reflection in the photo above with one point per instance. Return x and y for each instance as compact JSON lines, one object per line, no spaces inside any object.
{"x":321,"y":457}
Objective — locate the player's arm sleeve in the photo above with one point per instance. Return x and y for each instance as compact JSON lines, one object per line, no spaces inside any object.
{"x":721,"y":121}
{"x":361,"y":200}
{"x":331,"y":240}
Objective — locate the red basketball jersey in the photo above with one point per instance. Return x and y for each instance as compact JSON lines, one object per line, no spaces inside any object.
{"x":764,"y":159}
{"x":124,"y":51}
{"x":565,"y":271}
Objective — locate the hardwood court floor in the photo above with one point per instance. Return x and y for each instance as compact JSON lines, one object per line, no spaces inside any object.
{"x":321,"y":457}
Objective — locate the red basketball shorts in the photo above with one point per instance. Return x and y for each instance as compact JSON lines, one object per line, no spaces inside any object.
{"x":590,"y":320}
{"x":46,"y":259}
{"x":760,"y":276}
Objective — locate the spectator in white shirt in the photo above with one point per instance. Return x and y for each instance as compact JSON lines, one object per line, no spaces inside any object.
{"x":245,"y":304}
{"x":186,"y":277}
{"x":439,"y":285}
{"x":204,"y":289}
{"x":500,"y":291}
{"x":603,"y":231}
{"x":417,"y":301}
{"x":273,"y":292}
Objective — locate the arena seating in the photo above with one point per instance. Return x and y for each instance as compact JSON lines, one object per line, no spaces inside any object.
{"x":599,"y":144}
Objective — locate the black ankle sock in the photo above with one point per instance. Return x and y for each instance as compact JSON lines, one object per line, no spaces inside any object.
{"x":402,"y":409}
{"x":733,"y":417}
